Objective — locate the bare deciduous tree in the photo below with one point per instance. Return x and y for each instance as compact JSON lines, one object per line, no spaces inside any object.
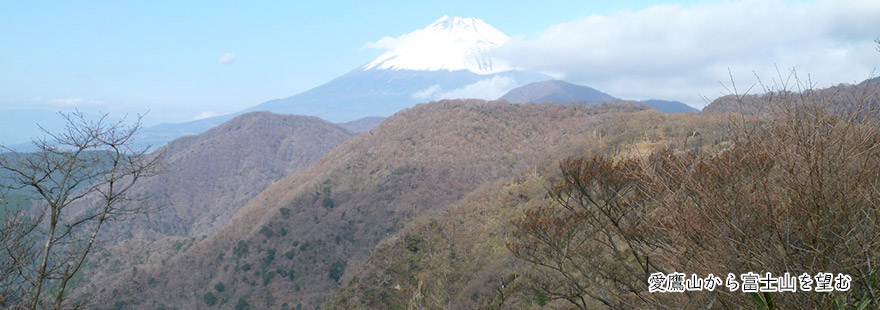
{"x":79,"y":179}
{"x":796,"y":191}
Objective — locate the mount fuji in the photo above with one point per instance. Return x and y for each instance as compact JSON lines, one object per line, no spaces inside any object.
{"x":446,"y":60}
{"x":450,"y":43}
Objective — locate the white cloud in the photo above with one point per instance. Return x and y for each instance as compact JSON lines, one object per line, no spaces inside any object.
{"x":204,"y":115}
{"x":680,"y":52}
{"x":489,"y":89}
{"x":385,"y":43}
{"x":67,"y":101}
{"x":226,"y":58}
{"x":71,"y":102}
{"x":427,"y":92}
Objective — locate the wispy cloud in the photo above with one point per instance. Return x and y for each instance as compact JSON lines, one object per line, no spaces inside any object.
{"x":427,"y":92}
{"x":71,"y":102}
{"x":490,"y":88}
{"x":679,"y":52}
{"x":226,"y":58}
{"x":386,"y":42}
{"x":67,"y":101}
{"x":206,"y":114}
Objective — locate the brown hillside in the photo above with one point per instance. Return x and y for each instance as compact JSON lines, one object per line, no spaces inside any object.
{"x":211,"y":175}
{"x":302,"y":236}
{"x":362,"y":124}
{"x":462,"y":258}
{"x":457,"y":258}
{"x":841,"y":98}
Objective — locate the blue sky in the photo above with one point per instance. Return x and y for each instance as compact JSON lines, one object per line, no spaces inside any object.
{"x":166,"y":56}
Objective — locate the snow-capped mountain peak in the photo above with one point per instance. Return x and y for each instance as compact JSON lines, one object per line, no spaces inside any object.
{"x":450,"y":44}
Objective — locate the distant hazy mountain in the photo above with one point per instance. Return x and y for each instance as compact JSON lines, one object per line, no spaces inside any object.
{"x":383,"y":92}
{"x":18,"y":127}
{"x":840,"y":98}
{"x":565,"y":92}
{"x":157,"y":136}
{"x":160,"y":134}
{"x":445,"y":60}
{"x":556,"y":91}
{"x":363,"y":124}
{"x":211,"y":175}
{"x":667,"y":106}
{"x":871,"y":81}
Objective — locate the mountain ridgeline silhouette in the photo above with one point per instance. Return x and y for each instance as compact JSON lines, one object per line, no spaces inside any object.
{"x":448,"y":59}
{"x":210,"y":176}
{"x":565,"y":92}
{"x":326,"y":219}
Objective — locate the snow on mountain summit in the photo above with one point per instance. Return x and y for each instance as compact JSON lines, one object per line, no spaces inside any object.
{"x":450,"y":44}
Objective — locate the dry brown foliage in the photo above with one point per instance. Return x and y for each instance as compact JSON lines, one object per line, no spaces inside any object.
{"x":421,"y":159}
{"x":795,"y":191}
{"x":463,"y":262}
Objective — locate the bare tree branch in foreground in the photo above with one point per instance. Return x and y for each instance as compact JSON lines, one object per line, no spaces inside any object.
{"x":79,"y":179}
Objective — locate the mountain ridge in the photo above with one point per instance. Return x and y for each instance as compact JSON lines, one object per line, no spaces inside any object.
{"x":362,"y":93}
{"x":840,"y":99}
{"x":293,"y":235}
{"x":445,"y":60}
{"x":556,"y":91}
{"x":564,"y":92}
{"x":224,"y":167}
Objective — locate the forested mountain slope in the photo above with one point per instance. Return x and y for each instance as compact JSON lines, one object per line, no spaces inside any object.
{"x":842,"y":97}
{"x":458,"y":258}
{"x":209,"y":176}
{"x":649,"y":192}
{"x":300,"y":238}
